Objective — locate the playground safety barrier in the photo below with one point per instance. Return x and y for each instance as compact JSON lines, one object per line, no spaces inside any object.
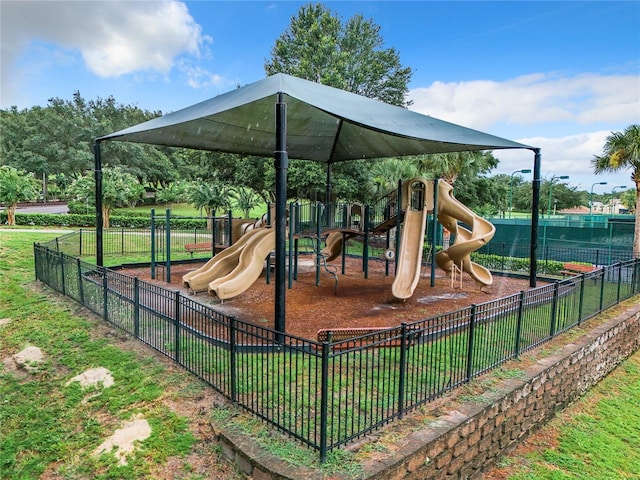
{"x":327,"y":394}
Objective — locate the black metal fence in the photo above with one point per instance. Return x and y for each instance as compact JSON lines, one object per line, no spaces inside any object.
{"x":326,"y":394}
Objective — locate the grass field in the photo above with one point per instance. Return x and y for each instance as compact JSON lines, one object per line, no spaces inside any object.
{"x":49,"y":429}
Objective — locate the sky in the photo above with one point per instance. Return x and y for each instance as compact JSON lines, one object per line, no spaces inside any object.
{"x":560,"y":76}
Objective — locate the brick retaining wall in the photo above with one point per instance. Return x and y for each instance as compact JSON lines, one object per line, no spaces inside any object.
{"x":473,"y":437}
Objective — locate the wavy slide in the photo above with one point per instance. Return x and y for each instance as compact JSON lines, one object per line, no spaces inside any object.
{"x":450,"y":211}
{"x":249,"y":267}
{"x":220,"y":265}
{"x":410,"y":258}
{"x":333,"y":244}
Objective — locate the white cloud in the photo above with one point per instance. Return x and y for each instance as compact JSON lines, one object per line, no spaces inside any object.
{"x":532,"y":99}
{"x":113,"y":37}
{"x":556,"y":110}
{"x":198,"y":77}
{"x":570,"y":155}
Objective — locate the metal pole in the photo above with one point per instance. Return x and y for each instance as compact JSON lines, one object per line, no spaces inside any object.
{"x":533,"y":261}
{"x":434,"y":232}
{"x":281,"y":163}
{"x":98,"y":195}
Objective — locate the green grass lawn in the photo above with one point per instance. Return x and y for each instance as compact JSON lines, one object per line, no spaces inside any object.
{"x":187,"y":210}
{"x":597,"y":438}
{"x":48,"y":428}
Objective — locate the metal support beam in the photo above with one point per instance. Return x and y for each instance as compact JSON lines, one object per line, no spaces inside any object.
{"x":434,"y":232}
{"x":535,"y":208}
{"x":281,"y":163}
{"x":98,"y":195}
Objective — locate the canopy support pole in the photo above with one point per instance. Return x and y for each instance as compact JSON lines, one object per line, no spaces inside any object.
{"x":535,"y":207}
{"x":434,"y":231}
{"x":98,"y":195}
{"x":281,"y":163}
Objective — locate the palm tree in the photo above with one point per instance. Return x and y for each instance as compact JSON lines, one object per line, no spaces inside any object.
{"x":211,"y":196}
{"x":621,"y":151}
{"x":449,"y":166}
{"x":245,"y":199}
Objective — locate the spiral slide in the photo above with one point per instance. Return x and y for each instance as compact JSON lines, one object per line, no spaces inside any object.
{"x":220,"y":265}
{"x":249,"y":266}
{"x":450,"y":211}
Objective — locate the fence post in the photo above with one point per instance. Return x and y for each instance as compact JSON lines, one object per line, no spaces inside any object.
{"x":122,"y":240}
{"x":168,"y":245}
{"x":105,"y":285}
{"x":519,"y":324}
{"x":80,"y":286}
{"x":136,"y":308}
{"x":365,"y":244}
{"x":554,"y":309}
{"x":80,"y":244}
{"x":153,"y":243}
{"x":619,"y":282}
{"x":176,"y":323}
{"x":472,"y":328}
{"x":581,"y":303}
{"x":233,"y":376}
{"x":324,"y":401}
{"x":404,"y":345}
{"x":602,"y":288}
{"x":317,"y":246}
{"x":63,"y":286}
{"x":213,"y":236}
{"x":290,"y":253}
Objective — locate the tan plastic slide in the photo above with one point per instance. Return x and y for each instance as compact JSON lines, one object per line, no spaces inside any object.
{"x":249,"y":266}
{"x":220,"y":265}
{"x":450,"y":211}
{"x":410,"y":259}
{"x":333,"y":244}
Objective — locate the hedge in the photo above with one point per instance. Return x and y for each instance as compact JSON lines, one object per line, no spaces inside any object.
{"x":82,"y":220}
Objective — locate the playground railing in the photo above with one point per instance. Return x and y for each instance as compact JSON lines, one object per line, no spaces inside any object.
{"x":326,"y":394}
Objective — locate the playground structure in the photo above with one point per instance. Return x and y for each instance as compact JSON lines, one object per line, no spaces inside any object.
{"x":236,"y":268}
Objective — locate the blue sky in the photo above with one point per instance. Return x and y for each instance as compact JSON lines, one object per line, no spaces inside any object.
{"x":556,"y":75}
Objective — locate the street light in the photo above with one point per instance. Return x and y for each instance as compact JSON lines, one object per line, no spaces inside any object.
{"x":613,"y":192}
{"x":591,"y":195}
{"x":525,"y":170}
{"x":561,"y":177}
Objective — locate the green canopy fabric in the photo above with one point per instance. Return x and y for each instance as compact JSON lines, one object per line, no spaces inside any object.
{"x":323,"y":124}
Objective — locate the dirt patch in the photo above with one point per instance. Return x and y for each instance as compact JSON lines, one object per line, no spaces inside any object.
{"x":355,"y":302}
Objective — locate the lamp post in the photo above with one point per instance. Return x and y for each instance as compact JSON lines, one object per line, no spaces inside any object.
{"x":591,"y":196}
{"x":613,"y":193}
{"x":561,"y":177}
{"x":525,"y":170}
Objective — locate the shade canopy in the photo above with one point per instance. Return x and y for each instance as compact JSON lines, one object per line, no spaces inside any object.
{"x":322,"y":123}
{"x":287,"y":117}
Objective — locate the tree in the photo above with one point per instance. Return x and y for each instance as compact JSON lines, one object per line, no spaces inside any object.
{"x":212,"y":196}
{"x":621,"y":151}
{"x":119,"y":189}
{"x":16,"y":186}
{"x":244,"y":199}
{"x":172,"y":193}
{"x":318,"y":47}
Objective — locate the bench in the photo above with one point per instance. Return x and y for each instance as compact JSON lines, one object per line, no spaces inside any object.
{"x":577,"y":269}
{"x":372,"y":336}
{"x":197,"y":247}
